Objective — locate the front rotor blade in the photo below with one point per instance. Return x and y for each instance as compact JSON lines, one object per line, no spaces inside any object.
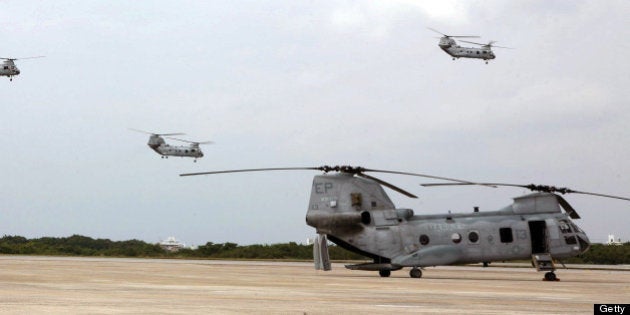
{"x":532,"y":187}
{"x":480,"y":44}
{"x":567,"y":207}
{"x":598,"y":195}
{"x":255,"y":170}
{"x":437,"y":31}
{"x":171,"y":134}
{"x":29,"y":57}
{"x":182,"y":140}
{"x":388,"y":185}
{"x":141,"y":131}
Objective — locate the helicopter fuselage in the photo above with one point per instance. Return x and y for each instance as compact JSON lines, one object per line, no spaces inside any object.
{"x":158,"y":145}
{"x":450,"y":47}
{"x":8,"y":69}
{"x":356,"y":214}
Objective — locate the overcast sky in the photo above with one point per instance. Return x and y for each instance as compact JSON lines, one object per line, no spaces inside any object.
{"x":303,"y":83}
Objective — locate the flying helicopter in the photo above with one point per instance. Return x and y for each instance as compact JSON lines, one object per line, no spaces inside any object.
{"x":157,"y":143}
{"x":351,"y":209}
{"x":450,"y":46}
{"x":9,"y":69}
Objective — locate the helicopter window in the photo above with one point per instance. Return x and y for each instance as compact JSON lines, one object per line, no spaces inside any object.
{"x":506,"y":235}
{"x":564,"y":227}
{"x":575,"y":228}
{"x":6,"y":67}
{"x":473,"y":237}
{"x":456,"y":238}
{"x":424,"y":239}
{"x":477,"y":52}
{"x":570,"y":240}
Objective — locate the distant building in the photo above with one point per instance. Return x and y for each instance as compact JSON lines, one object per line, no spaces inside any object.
{"x":171,"y":244}
{"x":612,"y":241}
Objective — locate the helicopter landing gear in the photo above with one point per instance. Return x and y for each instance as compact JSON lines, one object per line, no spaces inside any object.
{"x":486,"y":61}
{"x":195,"y":160}
{"x":453,"y":58}
{"x":551,"y":276}
{"x":384,"y":273}
{"x":415,"y":272}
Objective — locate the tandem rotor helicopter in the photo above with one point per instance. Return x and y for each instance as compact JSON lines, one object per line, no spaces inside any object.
{"x":157,"y":143}
{"x":351,"y":209}
{"x":449,"y":45}
{"x":8,"y":68}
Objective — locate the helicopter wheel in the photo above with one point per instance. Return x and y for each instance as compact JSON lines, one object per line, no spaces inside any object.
{"x":415,"y":273}
{"x":550,"y":276}
{"x":195,"y":161}
{"x":486,"y":62}
{"x":384,"y":273}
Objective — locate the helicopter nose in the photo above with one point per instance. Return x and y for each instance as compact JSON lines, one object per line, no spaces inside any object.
{"x":584,"y":242}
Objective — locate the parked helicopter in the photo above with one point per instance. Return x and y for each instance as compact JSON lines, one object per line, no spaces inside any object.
{"x":351,"y":209}
{"x":449,"y":45}
{"x":157,"y":143}
{"x":9,"y":69}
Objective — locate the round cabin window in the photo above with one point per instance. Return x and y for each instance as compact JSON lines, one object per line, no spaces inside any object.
{"x":473,"y":237}
{"x":424,"y":239}
{"x":456,"y":238}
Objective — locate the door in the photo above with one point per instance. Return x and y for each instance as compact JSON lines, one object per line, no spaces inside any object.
{"x":538,"y":235}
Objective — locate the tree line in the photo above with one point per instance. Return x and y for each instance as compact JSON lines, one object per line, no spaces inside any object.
{"x":78,"y":245}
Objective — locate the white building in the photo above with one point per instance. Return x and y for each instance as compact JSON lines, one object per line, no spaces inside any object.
{"x":171,"y":244}
{"x":612,"y":241}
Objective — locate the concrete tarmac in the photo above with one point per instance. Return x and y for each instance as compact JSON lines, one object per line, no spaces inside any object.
{"x":71,"y":285}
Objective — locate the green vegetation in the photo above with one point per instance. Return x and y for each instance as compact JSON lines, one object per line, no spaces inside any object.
{"x":77,"y":245}
{"x":604,"y":255}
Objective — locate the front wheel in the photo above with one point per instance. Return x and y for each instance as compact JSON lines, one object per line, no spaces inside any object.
{"x":550,"y":276}
{"x":415,"y":273}
{"x":384,"y":273}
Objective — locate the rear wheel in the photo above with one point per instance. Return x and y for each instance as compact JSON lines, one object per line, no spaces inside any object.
{"x":384,"y":273}
{"x":415,"y":273}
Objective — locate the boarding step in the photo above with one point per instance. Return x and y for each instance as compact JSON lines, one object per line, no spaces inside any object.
{"x":543,"y":262}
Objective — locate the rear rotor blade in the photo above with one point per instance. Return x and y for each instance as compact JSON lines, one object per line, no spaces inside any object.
{"x":254,"y":170}
{"x":456,"y":36}
{"x":157,"y":134}
{"x":462,"y":182}
{"x":388,"y":185}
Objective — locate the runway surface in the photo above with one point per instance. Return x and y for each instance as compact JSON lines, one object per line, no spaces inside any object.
{"x":36,"y":285}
